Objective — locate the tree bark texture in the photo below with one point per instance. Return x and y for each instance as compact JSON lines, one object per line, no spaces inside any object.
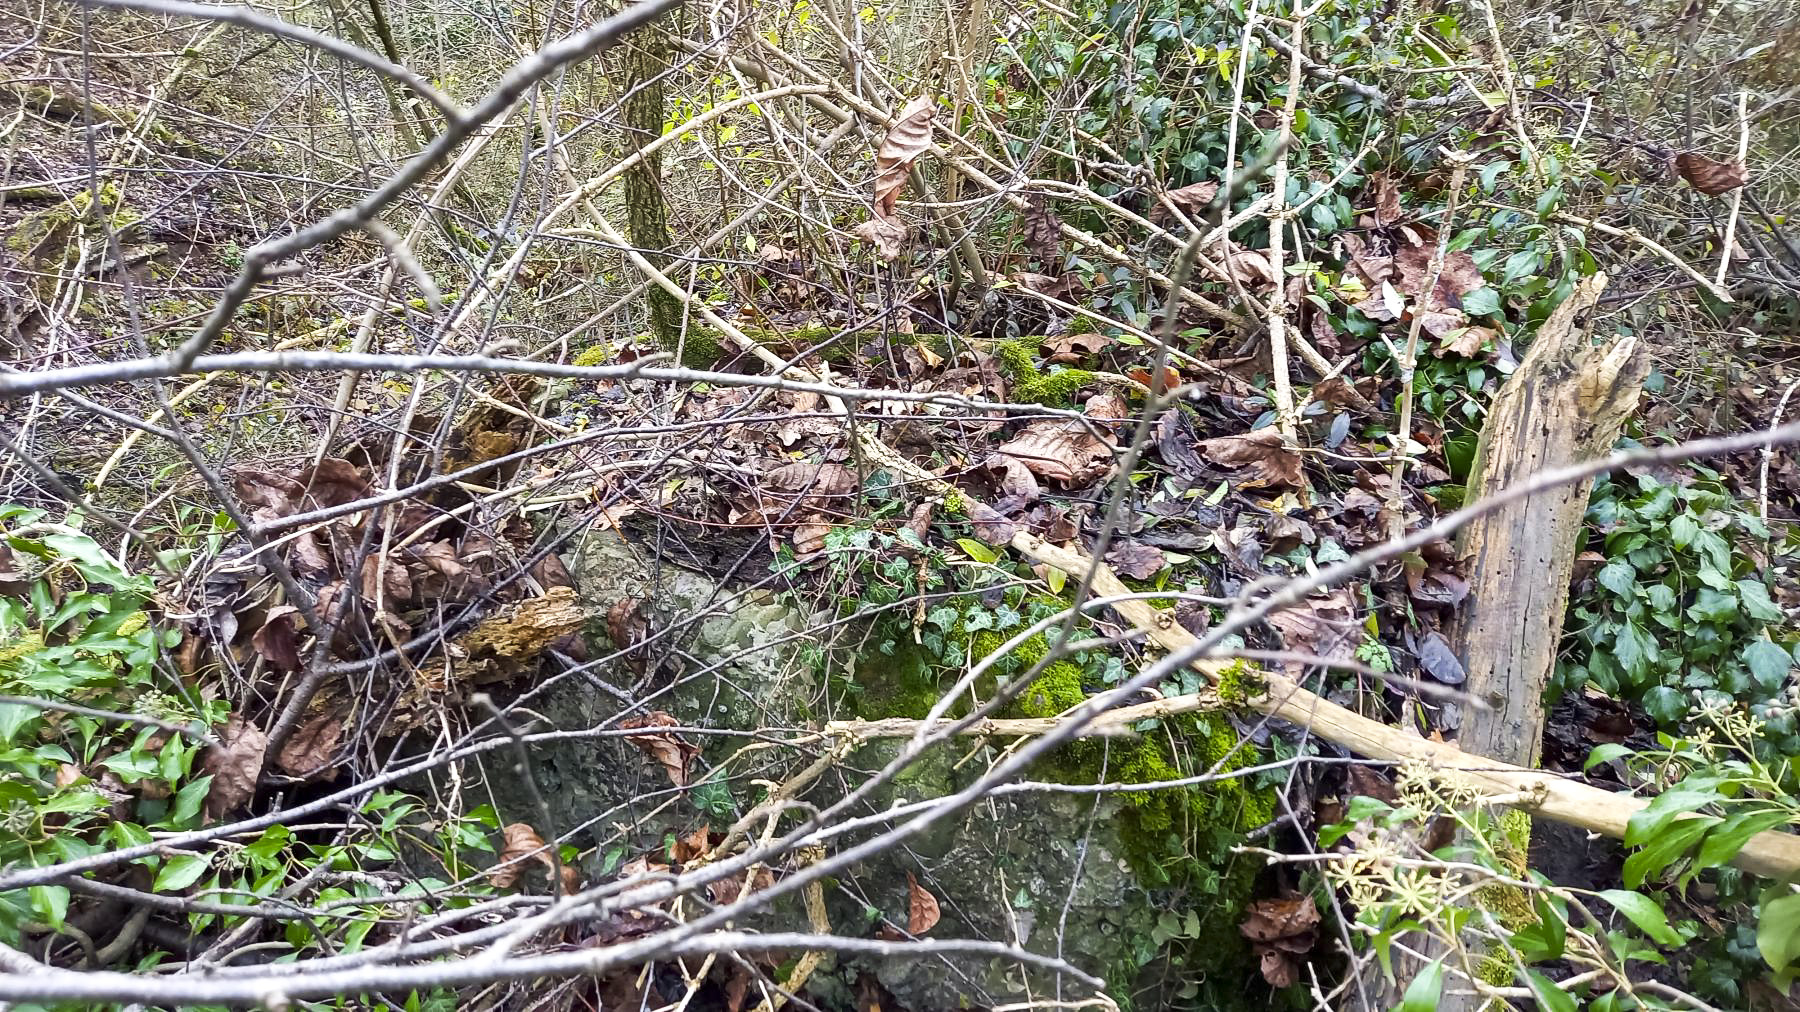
{"x":647,"y":212}
{"x":1564,"y":404}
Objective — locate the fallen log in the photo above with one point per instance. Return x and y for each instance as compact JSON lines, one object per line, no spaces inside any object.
{"x":1543,"y":794}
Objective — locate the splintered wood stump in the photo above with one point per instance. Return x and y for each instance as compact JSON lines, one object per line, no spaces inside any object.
{"x":1564,"y":404}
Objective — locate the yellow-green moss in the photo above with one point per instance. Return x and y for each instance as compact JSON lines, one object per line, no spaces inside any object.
{"x":1029,"y":383}
{"x":592,"y":355}
{"x":1239,"y":683}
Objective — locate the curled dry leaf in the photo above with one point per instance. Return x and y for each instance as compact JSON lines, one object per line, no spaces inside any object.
{"x":921,"y":907}
{"x":1251,"y":268}
{"x":386,"y":580}
{"x":1013,"y":481}
{"x":1191,"y":200}
{"x":1136,"y":560}
{"x":667,"y":748}
{"x":521,"y":843}
{"x":276,"y":640}
{"x":1320,"y":626}
{"x":909,"y":137}
{"x":1042,"y":232}
{"x":1269,"y":460}
{"x":235,"y":764}
{"x":1710,"y":176}
{"x":1281,"y":930}
{"x":1059,"y":450}
{"x":310,"y":751}
{"x":333,"y":481}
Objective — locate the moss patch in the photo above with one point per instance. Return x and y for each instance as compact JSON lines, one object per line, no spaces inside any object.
{"x":1031,"y":384}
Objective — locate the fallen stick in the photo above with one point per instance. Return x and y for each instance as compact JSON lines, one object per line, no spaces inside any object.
{"x":1544,"y":794}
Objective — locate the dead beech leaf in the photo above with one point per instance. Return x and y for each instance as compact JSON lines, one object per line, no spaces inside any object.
{"x":667,"y":748}
{"x":1136,"y":560}
{"x":235,"y":764}
{"x":1060,"y":451}
{"x":922,"y":912}
{"x":1710,"y":176}
{"x":276,"y":639}
{"x":1319,"y":626}
{"x":522,"y":842}
{"x":333,"y":481}
{"x":1192,"y":200}
{"x":906,"y":140}
{"x":386,"y":580}
{"x":885,"y":236}
{"x":1017,"y":488}
{"x":267,"y":491}
{"x":1067,"y":349}
{"x":1269,"y":460}
{"x":909,"y":137}
{"x":809,"y":536}
{"x":1387,"y":198}
{"x":311,"y":749}
{"x":1169,"y":380}
{"x":1281,"y":930}
{"x":1251,"y":268}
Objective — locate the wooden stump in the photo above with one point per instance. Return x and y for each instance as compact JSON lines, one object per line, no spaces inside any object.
{"x":1566,"y":403}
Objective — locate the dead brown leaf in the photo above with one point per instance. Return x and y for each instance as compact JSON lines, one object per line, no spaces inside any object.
{"x":1318,"y":626}
{"x":1251,"y":268}
{"x":1136,"y":560}
{"x":1042,"y":232}
{"x":1280,"y":930}
{"x":1387,"y":198}
{"x":909,"y":137}
{"x":522,"y":842}
{"x":310,"y":751}
{"x":235,"y":764}
{"x":1710,"y":176}
{"x":885,"y":236}
{"x":921,"y":907}
{"x":333,"y":481}
{"x":1060,"y":450}
{"x":1262,"y":453}
{"x":386,"y":580}
{"x":1192,"y":200}
{"x":276,"y":640}
{"x":1071,"y":348}
{"x":667,"y":748}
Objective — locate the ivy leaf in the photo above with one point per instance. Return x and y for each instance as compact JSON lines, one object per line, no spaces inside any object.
{"x":181,"y":871}
{"x":1778,"y":932}
{"x":1663,"y":851}
{"x":1635,"y":650}
{"x":1666,"y":704}
{"x":977,"y":551}
{"x":1729,"y":837}
{"x":1643,"y":912}
{"x":1683,"y":529}
{"x":1618,"y":577}
{"x":1602,"y":753}
{"x":1422,"y":994}
{"x":1756,"y":601}
{"x":1549,"y":996}
{"x":1768,"y":662}
{"x":1713,"y":606}
{"x":1483,"y":301}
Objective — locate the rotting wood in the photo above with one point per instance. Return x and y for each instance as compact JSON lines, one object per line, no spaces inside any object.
{"x":1566,"y":403}
{"x":1543,"y":794}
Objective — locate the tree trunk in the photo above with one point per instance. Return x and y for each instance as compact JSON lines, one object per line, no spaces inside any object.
{"x":646,"y":63}
{"x":1564,"y":404}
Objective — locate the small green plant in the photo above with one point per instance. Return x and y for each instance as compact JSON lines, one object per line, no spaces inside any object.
{"x":125,"y":765}
{"x":1680,"y":604}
